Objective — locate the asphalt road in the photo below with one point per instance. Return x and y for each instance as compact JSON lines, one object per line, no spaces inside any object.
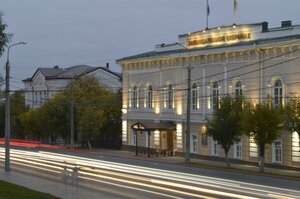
{"x":91,"y":176}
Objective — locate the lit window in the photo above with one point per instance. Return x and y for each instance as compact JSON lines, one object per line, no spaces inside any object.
{"x":253,"y":147}
{"x":295,"y":147}
{"x":277,"y":93}
{"x":194,"y":97}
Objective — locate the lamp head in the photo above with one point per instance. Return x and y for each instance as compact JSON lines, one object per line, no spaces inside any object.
{"x":23,"y":42}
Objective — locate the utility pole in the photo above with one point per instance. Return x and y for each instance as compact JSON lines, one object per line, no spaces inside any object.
{"x":7,"y":116}
{"x":187,"y":157}
{"x":187,"y":151}
{"x":7,"y":109}
{"x":72,"y":117}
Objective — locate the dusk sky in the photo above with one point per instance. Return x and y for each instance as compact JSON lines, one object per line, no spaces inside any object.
{"x":93,"y":32}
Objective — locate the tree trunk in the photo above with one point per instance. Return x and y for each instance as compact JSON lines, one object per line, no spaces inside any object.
{"x":89,"y":144}
{"x":227,"y":159}
{"x":261,"y":158}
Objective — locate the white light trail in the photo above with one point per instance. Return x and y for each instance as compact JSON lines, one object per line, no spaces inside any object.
{"x":147,"y":177}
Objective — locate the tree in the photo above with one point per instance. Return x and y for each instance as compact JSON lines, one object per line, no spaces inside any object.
{"x":17,"y":109}
{"x":263,"y":124}
{"x":224,"y":127}
{"x":292,"y":115}
{"x":4,"y":37}
{"x":96,"y":107}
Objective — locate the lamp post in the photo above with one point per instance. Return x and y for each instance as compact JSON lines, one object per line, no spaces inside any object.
{"x":7,"y":109}
{"x":187,"y":156}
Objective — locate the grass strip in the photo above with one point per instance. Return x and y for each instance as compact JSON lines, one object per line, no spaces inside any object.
{"x":12,"y":191}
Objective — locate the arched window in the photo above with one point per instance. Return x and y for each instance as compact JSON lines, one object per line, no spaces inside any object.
{"x":278,"y":93}
{"x":170,"y":96}
{"x":134,"y":99}
{"x":149,"y":97}
{"x":215,"y":94}
{"x":238,"y":88}
{"x":194,"y":97}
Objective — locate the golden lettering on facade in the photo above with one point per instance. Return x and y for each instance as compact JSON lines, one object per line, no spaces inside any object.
{"x":218,"y":39}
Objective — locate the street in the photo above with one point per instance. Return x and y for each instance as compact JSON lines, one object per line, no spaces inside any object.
{"x":92,"y":176}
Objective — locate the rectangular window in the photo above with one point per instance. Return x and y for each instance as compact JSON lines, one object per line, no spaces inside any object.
{"x":156,"y":137}
{"x":277,"y":151}
{"x":214,"y":147}
{"x":124,"y":131}
{"x":194,"y":144}
{"x":179,"y":135}
{"x":295,"y":147}
{"x":204,"y":139}
{"x":133,"y":141}
{"x":238,"y":149}
{"x":194,"y":99}
{"x":253,"y":148}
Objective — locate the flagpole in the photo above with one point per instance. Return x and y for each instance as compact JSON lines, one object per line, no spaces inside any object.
{"x":234,"y":11}
{"x":207,"y":13}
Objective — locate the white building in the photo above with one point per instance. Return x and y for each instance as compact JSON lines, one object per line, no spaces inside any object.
{"x":252,"y":59}
{"x":46,"y":82}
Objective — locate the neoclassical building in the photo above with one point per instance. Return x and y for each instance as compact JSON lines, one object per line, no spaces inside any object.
{"x":45,"y":83}
{"x":251,"y":59}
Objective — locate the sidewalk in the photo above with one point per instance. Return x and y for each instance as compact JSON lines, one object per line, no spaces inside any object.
{"x":201,"y":163}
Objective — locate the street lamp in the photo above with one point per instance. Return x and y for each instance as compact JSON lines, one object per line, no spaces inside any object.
{"x":187,"y":156}
{"x":7,"y":109}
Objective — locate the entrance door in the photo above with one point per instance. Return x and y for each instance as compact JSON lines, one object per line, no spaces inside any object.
{"x":170,"y":141}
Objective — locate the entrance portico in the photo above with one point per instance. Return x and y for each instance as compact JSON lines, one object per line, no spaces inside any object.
{"x":166,"y":131}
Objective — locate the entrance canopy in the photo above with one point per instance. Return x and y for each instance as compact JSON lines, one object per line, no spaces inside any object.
{"x":152,"y":126}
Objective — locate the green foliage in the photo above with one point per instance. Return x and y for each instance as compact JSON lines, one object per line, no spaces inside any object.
{"x":17,"y":108}
{"x":96,"y":106}
{"x":263,"y":124}
{"x":292,"y":115}
{"x":4,"y":37}
{"x":225,"y":125}
{"x":97,"y":112}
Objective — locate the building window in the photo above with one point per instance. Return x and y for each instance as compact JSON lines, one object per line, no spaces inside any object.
{"x":238,"y":149}
{"x":36,"y":98}
{"x":215,"y":94}
{"x":295,"y":147}
{"x":278,"y":93}
{"x":170,"y":97}
{"x":134,"y":97}
{"x":214,"y":147}
{"x":204,"y":139}
{"x":124,"y":131}
{"x":277,"y":151}
{"x":179,"y":135}
{"x":253,"y":147}
{"x":149,"y":97}
{"x":238,"y":89}
{"x":194,"y":97}
{"x":194,"y":144}
{"x":133,"y":138}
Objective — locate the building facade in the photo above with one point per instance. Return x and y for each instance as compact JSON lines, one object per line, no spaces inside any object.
{"x":251,"y":59}
{"x":46,"y":82}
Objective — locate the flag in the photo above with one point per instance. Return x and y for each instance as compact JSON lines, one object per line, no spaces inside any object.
{"x":234,"y":6}
{"x":208,"y":10}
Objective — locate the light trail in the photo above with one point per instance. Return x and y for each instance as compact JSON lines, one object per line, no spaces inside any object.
{"x":148,"y":178}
